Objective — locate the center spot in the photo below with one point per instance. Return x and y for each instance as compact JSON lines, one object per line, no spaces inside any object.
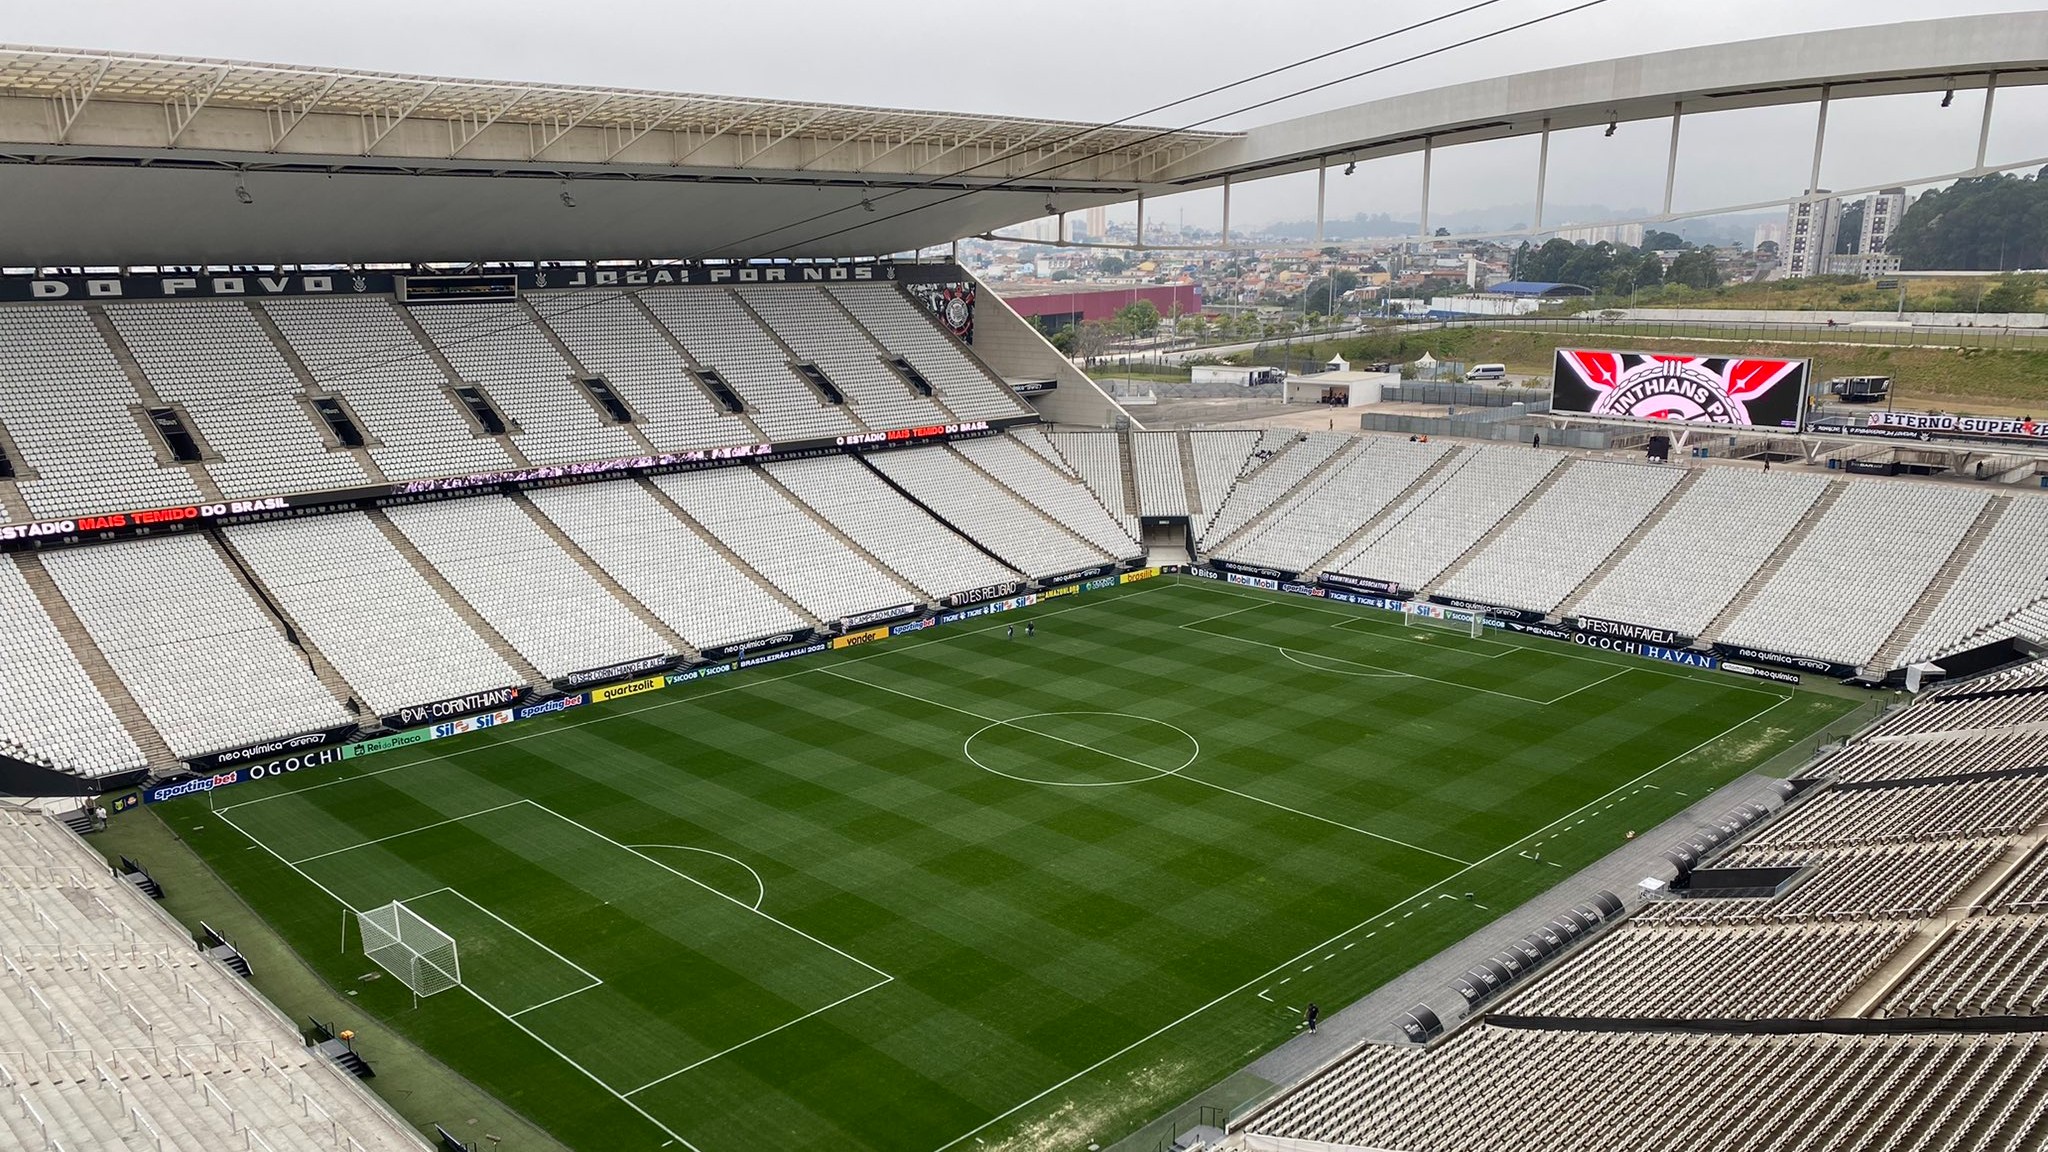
{"x":1081,"y":749}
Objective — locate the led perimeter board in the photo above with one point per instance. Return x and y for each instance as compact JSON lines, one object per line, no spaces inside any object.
{"x":1730,"y":391}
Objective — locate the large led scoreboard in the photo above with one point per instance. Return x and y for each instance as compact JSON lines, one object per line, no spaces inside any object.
{"x":1725,"y":391}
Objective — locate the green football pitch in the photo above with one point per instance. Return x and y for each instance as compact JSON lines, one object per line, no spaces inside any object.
{"x":960,"y":890}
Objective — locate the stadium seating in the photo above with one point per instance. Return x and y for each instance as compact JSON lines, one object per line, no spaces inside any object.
{"x":1158,"y":474}
{"x":1565,"y":535}
{"x":685,"y":582}
{"x":116,"y":1035}
{"x":784,"y":544}
{"x":55,"y":716}
{"x":1333,"y":506}
{"x":363,"y":605}
{"x":526,"y":587}
{"x":71,"y":413}
{"x":1220,"y":458}
{"x":1098,"y":458}
{"x":610,"y":336}
{"x":1705,"y":550}
{"x":1025,"y":538}
{"x":722,"y":335}
{"x":892,"y":529}
{"x":906,"y":329}
{"x":207,"y":664}
{"x":1066,"y":502}
{"x":1878,"y":547}
{"x":1278,"y":462}
{"x":214,"y":359}
{"x":1435,"y":526}
{"x":2005,"y":575}
{"x":359,"y":348}
{"x":1845,"y":883}
{"x":817,"y":331}
{"x":1984,"y":966}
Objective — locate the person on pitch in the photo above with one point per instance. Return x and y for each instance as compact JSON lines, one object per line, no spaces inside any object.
{"x":1030,"y":629}
{"x":1314,"y":1014}
{"x":1010,"y":632}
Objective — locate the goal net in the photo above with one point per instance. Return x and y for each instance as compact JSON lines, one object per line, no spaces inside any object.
{"x":1421,"y":614}
{"x":405,"y":944}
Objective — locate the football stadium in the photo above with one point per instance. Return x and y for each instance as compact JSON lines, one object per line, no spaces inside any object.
{"x":545,"y":617}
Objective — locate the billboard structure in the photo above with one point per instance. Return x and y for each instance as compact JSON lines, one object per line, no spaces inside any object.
{"x":1726,"y":391}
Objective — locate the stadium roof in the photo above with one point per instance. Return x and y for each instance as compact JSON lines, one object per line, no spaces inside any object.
{"x":116,"y":158}
{"x":1536,"y":288}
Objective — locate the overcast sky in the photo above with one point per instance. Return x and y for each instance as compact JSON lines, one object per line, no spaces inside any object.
{"x":1099,"y":60}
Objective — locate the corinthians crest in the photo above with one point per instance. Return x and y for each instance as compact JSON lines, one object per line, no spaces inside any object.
{"x":1725,"y":390}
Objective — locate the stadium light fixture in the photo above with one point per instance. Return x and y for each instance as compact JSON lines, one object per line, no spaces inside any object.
{"x":1050,"y":210}
{"x":242,"y":193}
{"x":1613,"y":122}
{"x":568,"y":201}
{"x":1351,"y":167}
{"x":1949,"y":97}
{"x":867,"y":204}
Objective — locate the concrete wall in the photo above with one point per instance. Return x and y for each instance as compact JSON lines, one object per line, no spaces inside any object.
{"x":1009,"y":344}
{"x":1725,"y":316}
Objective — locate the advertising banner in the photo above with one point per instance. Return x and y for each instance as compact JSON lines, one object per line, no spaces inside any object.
{"x":386,"y":743}
{"x":558,"y":704}
{"x":1811,"y":664}
{"x":332,"y":754}
{"x":1079,"y":574}
{"x":1774,"y":674}
{"x":1056,"y":593}
{"x":1729,"y":391}
{"x":630,"y":688}
{"x":1256,"y":570}
{"x":989,"y":608}
{"x":1494,"y":610}
{"x":1244,"y":581}
{"x":414,"y":715}
{"x":1384,"y":603}
{"x":1359,"y":584}
{"x":1300,"y":589}
{"x":290,"y":745}
{"x":952,"y":302}
{"x":1547,"y":631}
{"x":1136,"y":575}
{"x":785,"y":654}
{"x":1627,"y":631}
{"x":1686,"y":657}
{"x":864,"y":636}
{"x":625,"y":671}
{"x":879,"y":615}
{"x":776,"y":641}
{"x":912,"y":626}
{"x":1931,"y":425}
{"x":476,"y":723}
{"x":977,"y":595}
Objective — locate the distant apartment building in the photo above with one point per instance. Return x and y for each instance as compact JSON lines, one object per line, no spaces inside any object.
{"x":1810,"y":230}
{"x":1098,"y":223}
{"x":1768,"y":232}
{"x":1865,"y":265}
{"x":1881,"y":213}
{"x":1629,"y":234}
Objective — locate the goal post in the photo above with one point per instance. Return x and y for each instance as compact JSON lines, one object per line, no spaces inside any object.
{"x":1423,"y":614}
{"x":407,"y":945}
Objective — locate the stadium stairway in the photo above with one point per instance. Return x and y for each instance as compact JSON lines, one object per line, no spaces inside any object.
{"x":562,"y":349}
{"x":1786,"y":547}
{"x":731,"y":557}
{"x":137,"y":379}
{"x":309,"y":390}
{"x":1429,"y":475}
{"x":710,"y":401}
{"x":1128,"y":465}
{"x":1312,"y":479}
{"x":845,"y":541}
{"x":1570,"y":604}
{"x":324,"y":671}
{"x":1034,"y":509}
{"x":1938,"y":588}
{"x":432,"y":577}
{"x":774,"y":337}
{"x":599,"y":576}
{"x":146,"y":737}
{"x":883,"y":354}
{"x":1188,"y":481}
{"x":911,"y":498}
{"x":454,"y":379}
{"x":1480,"y":545}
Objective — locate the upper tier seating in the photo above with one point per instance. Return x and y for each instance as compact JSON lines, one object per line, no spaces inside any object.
{"x":521,"y":582}
{"x":1565,"y":536}
{"x":208,"y":665}
{"x":359,"y":348}
{"x":1327,"y":511}
{"x":1067,"y":501}
{"x":613,"y":338}
{"x":54,"y":715}
{"x":214,"y":358}
{"x":1846,"y":556}
{"x":688,"y":586}
{"x":1098,"y":458}
{"x":1039,"y":441}
{"x":1220,"y":458}
{"x":1278,"y":462}
{"x":904,"y":327}
{"x":1435,"y":526}
{"x":817,"y":331}
{"x":2008,"y":572}
{"x":1025,"y":539}
{"x":1162,"y":486}
{"x":364,"y":606}
{"x":1705,"y":550}
{"x":75,"y":420}
{"x":722,"y":336}
{"x":781,"y":542}
{"x":496,"y":346}
{"x":897,"y":532}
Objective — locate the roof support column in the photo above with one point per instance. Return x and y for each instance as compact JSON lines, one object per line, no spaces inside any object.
{"x":1141,"y":220}
{"x":1542,"y":171}
{"x":1984,"y":129}
{"x":1671,"y":161}
{"x":1226,"y":210}
{"x":1428,"y":153}
{"x":1322,"y":191}
{"x":1820,"y":137}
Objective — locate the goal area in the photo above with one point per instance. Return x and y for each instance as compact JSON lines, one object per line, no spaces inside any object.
{"x":1426,"y":615}
{"x":407,"y":945}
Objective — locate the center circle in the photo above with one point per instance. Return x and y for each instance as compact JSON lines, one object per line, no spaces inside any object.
{"x":1081,"y":749}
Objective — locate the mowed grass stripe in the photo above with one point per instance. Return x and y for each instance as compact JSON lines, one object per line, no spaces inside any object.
{"x":1030,"y":930}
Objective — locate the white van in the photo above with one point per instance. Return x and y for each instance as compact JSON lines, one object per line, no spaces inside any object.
{"x":1482,"y":373}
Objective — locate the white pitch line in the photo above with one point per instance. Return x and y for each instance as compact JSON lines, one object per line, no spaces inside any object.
{"x":551,"y":1000}
{"x":749,"y":1040}
{"x":1178,"y":773}
{"x":759,"y":883}
{"x":1261,"y":977}
{"x":688,"y":696}
{"x":1283,"y":649}
{"x":1595,"y":684}
{"x":407,"y":832}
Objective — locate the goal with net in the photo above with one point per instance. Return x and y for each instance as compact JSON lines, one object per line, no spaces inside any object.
{"x":405,"y":944}
{"x":1422,"y":614}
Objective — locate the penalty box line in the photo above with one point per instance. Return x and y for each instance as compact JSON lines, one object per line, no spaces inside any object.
{"x":595,"y":980}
